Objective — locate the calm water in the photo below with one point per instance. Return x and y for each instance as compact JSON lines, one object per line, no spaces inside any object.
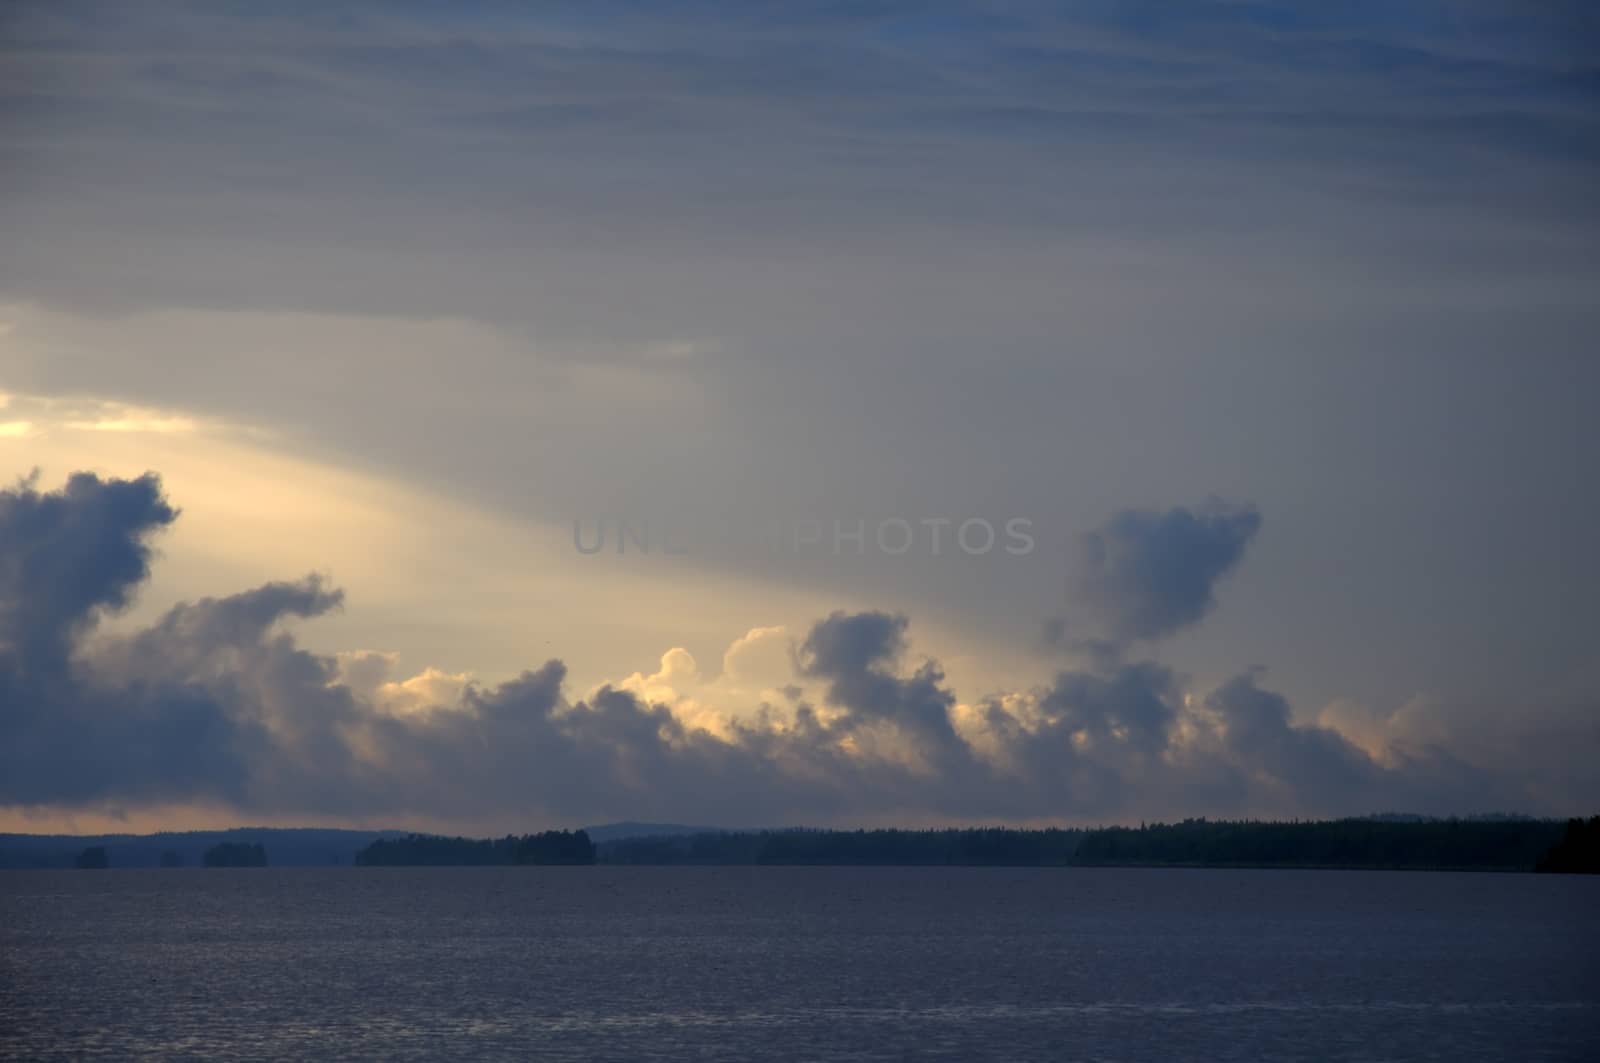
{"x":798,"y":963}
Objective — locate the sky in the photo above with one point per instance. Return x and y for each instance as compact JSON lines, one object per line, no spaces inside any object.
{"x":482,"y":416}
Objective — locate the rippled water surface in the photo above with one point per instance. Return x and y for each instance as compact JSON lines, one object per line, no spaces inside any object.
{"x":798,"y":963}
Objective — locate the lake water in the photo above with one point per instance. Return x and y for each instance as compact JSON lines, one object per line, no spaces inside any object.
{"x":799,"y":963}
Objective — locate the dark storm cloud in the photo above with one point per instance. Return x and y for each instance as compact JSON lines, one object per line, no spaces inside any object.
{"x":1260,"y":732}
{"x":845,"y":648}
{"x":68,"y":553}
{"x":1098,"y":742}
{"x":1134,"y":702}
{"x":1317,"y":767}
{"x":65,"y":557}
{"x":217,"y":702}
{"x":858,"y":656}
{"x":1148,"y":575}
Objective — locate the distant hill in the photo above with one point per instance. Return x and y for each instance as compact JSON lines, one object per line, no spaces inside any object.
{"x":610,"y":832}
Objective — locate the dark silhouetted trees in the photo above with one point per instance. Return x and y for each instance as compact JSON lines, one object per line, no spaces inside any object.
{"x":988,"y":846}
{"x":430,"y":850}
{"x":235,"y":854}
{"x":1498,"y":843}
{"x":1578,"y":851}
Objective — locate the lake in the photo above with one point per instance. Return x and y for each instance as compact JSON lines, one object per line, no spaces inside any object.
{"x":819,"y":963}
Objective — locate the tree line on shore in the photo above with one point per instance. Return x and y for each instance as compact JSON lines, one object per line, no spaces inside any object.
{"x":425,"y":850}
{"x":1354,"y":843}
{"x":1509,"y":844}
{"x":1578,"y":851}
{"x":1049,"y":847}
{"x":1478,"y":844}
{"x":1492,"y":843}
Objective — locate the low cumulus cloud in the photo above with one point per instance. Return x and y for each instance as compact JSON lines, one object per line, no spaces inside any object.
{"x":217,"y":702}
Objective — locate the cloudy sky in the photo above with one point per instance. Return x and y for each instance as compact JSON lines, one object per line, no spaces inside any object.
{"x":1018,"y":412}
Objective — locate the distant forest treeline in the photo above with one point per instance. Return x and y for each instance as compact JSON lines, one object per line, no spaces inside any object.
{"x":976,"y":847}
{"x":1578,"y":852}
{"x":1490,"y":843}
{"x":1356,"y":843}
{"x":1464,"y":844}
{"x":551,"y":847}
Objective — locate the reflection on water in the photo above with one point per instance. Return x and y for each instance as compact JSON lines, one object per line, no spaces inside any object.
{"x":803,"y":963}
